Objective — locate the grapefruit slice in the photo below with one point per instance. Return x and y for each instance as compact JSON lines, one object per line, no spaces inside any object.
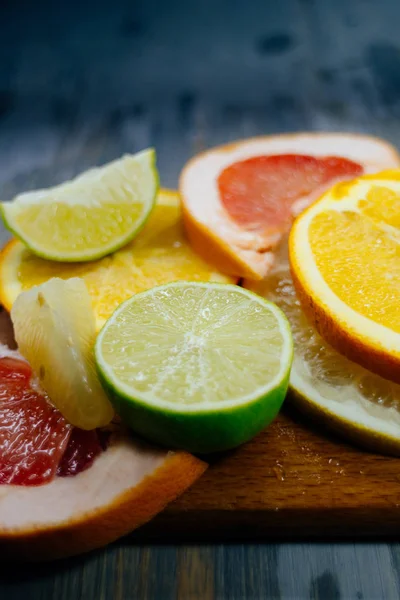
{"x":127,"y":484}
{"x":240,"y":199}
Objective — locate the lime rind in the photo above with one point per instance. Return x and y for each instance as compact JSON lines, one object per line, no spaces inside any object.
{"x":10,"y":211}
{"x":199,"y":432}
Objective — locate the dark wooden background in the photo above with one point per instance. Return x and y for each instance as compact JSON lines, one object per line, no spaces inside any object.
{"x":82,"y":82}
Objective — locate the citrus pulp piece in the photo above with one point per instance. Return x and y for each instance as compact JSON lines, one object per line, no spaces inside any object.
{"x":345,"y":258}
{"x":33,"y":434}
{"x":240,"y":199}
{"x":362,"y":406}
{"x":201,"y":366}
{"x":159,"y":254}
{"x":55,"y":331}
{"x":128,"y":483}
{"x":36,"y":442}
{"x":86,"y":218}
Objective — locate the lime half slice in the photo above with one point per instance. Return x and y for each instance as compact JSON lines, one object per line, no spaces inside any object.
{"x":200,"y":366}
{"x":55,"y":330}
{"x":90,"y":216}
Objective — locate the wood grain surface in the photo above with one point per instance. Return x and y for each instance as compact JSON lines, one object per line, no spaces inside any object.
{"x":295,"y":480}
{"x":83,"y":82}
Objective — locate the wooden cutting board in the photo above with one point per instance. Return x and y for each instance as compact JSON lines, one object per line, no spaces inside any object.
{"x":294,"y":480}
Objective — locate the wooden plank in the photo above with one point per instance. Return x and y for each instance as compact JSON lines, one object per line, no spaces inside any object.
{"x":295,"y":480}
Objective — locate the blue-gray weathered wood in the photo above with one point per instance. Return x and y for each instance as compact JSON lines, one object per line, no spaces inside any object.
{"x":83,"y":82}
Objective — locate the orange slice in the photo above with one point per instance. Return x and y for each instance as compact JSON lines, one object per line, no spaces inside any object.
{"x":345,"y":260}
{"x":159,"y":254}
{"x":240,"y":199}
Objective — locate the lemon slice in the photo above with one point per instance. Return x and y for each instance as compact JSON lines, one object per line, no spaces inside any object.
{"x":159,"y":254}
{"x":362,"y":406}
{"x":90,"y":216}
{"x":200,"y":366}
{"x":55,"y":331}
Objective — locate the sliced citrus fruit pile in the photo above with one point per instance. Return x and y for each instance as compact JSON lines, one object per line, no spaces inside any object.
{"x":346,"y":397}
{"x":159,"y":254}
{"x":345,"y":259}
{"x":90,"y":216}
{"x":55,"y":330}
{"x":204,"y":366}
{"x":240,"y":199}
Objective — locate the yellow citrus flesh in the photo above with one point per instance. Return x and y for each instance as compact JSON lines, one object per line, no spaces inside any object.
{"x":361,"y":405}
{"x":159,"y":254}
{"x":345,"y":258}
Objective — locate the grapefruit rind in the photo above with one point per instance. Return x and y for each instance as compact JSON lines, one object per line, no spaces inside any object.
{"x":86,"y":530}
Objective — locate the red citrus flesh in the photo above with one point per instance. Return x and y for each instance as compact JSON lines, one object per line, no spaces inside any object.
{"x":259,"y":193}
{"x":36,"y":442}
{"x":33,"y":434}
{"x":83,"y":447}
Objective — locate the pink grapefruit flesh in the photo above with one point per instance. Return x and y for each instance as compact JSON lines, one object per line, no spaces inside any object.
{"x":36,"y":442}
{"x":259,"y":193}
{"x":33,"y":434}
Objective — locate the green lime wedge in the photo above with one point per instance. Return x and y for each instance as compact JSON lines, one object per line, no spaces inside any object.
{"x":199,"y":366}
{"x":91,"y":216}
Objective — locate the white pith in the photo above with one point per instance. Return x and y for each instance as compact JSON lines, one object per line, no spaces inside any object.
{"x":67,"y":499}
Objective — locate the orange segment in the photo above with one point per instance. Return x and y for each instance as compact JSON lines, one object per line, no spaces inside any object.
{"x":382,"y":205}
{"x":159,"y":254}
{"x":355,"y":257}
{"x":345,"y":258}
